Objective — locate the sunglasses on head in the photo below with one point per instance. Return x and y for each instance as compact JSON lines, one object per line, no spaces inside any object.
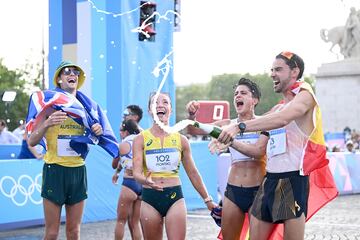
{"x":289,"y":56}
{"x":127,"y":113}
{"x":68,"y":71}
{"x":286,"y":54}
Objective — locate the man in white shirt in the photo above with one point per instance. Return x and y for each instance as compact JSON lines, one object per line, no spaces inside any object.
{"x":7,"y":137}
{"x":133,"y":112}
{"x":20,"y":130}
{"x":350,"y":146}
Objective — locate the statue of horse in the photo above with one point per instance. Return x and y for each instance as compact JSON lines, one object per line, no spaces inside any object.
{"x":336,"y":37}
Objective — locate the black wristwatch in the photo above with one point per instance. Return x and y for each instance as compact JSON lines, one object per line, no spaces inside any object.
{"x":242,"y":127}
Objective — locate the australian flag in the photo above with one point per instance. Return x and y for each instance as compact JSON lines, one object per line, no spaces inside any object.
{"x":82,"y":110}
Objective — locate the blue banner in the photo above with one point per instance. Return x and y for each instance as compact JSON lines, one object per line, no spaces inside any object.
{"x":20,"y":187}
{"x":20,"y":193}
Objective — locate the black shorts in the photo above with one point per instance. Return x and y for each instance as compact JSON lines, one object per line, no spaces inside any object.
{"x":133,"y":185}
{"x":242,"y":197}
{"x":281,"y":196}
{"x":64,"y":185}
{"x":162,"y":200}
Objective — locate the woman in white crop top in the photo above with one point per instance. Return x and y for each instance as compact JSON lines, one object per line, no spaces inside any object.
{"x":248,"y":159}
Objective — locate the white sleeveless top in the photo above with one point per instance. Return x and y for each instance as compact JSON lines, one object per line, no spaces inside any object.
{"x":290,"y":160}
{"x":126,"y":160}
{"x":249,"y":138}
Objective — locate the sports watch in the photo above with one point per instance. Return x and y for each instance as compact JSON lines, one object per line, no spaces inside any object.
{"x":242,"y":127}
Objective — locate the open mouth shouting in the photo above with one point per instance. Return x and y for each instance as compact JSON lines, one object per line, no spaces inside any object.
{"x":72,"y":80}
{"x":276,"y":83}
{"x":239,"y":103}
{"x":160,"y":113}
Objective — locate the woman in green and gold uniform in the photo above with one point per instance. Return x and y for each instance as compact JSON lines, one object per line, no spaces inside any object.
{"x":156,"y":161}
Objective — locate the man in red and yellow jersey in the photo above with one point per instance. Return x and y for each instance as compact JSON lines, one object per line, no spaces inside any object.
{"x":296,"y":156}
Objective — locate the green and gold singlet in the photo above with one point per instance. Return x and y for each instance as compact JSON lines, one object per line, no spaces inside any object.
{"x":162,"y":161}
{"x":58,"y":138}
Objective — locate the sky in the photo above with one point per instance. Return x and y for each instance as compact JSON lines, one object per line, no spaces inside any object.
{"x":216,"y":37}
{"x":21,"y":31}
{"x":234,"y":36}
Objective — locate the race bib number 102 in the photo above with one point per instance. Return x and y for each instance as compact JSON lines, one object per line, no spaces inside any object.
{"x":162,"y":160}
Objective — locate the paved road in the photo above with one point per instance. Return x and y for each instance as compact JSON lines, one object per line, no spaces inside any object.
{"x":340,"y":219}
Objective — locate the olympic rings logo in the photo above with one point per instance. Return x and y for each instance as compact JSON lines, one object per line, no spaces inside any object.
{"x":20,"y":186}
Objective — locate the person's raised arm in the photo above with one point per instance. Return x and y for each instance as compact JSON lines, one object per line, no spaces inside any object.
{"x":43,"y":124}
{"x":298,"y":107}
{"x":192,"y":107}
{"x":194,"y":174}
{"x":255,"y":150}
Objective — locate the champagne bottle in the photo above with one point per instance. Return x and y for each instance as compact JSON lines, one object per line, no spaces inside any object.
{"x":212,"y":130}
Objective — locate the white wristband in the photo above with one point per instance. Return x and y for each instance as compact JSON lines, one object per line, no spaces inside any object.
{"x":208,"y":199}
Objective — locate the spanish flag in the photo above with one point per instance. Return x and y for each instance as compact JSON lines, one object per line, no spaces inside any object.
{"x":314,"y":155}
{"x":313,"y":163}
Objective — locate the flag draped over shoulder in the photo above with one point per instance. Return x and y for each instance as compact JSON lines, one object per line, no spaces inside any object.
{"x":82,"y":110}
{"x":314,"y":156}
{"x":315,"y":164}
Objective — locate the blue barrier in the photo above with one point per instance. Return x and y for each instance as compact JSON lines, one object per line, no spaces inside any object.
{"x":20,"y":182}
{"x":9,"y":151}
{"x":335,"y":138}
{"x":345,"y":168}
{"x":20,"y":200}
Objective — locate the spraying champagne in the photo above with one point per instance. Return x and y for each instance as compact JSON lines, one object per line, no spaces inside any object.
{"x":212,"y":130}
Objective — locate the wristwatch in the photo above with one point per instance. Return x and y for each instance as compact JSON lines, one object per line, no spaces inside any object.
{"x":242,"y":127}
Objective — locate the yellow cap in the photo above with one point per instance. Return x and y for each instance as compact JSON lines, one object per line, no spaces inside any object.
{"x":81,"y":78}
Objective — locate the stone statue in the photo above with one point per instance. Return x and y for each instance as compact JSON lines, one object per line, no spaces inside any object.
{"x":347,"y":37}
{"x":335,"y":36}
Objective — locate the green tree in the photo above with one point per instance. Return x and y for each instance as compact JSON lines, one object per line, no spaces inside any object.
{"x":23,"y":81}
{"x":221,"y":88}
{"x":310,"y":80}
{"x":268,"y":97}
{"x":185,"y":94}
